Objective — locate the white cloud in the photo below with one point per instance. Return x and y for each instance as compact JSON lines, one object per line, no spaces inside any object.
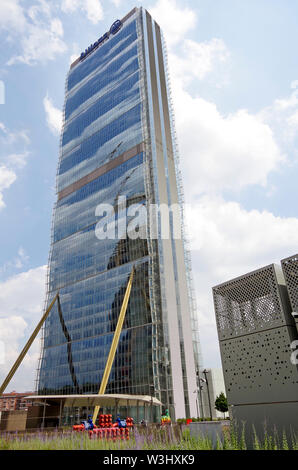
{"x":117,"y":3}
{"x":39,"y":32}
{"x":3,"y":128}
{"x":18,"y":294}
{"x":92,"y":8}
{"x":292,"y":121}
{"x":196,"y":60}
{"x":22,"y":258}
{"x":232,"y":242}
{"x":289,"y":102}
{"x":69,"y":6}
{"x":12,"y":16}
{"x":75,"y":53}
{"x":282,"y":116}
{"x":21,"y":304}
{"x":222,"y":151}
{"x":219,"y":151}
{"x":18,"y":262}
{"x":53,"y":116}
{"x":173,"y":20}
{"x":7,"y":178}
{"x":10,"y":138}
{"x":13,"y":157}
{"x":18,"y":160}
{"x":188,"y":59}
{"x":227,"y":232}
{"x":40,"y":44}
{"x":12,"y":328}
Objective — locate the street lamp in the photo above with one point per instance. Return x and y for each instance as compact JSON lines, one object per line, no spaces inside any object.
{"x":199,"y":391}
{"x":196,"y":391}
{"x":206,"y":380}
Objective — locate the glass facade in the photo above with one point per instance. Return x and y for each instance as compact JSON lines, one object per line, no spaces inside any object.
{"x":107,"y":153}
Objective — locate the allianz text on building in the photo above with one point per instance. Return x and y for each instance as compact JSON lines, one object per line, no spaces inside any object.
{"x":117,"y":158}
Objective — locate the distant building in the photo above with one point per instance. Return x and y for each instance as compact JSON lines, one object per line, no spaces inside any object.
{"x":14,"y":401}
{"x":256,"y":330}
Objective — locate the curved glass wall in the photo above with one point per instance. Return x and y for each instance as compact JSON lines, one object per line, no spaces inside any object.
{"x":103,"y":109}
{"x":115,"y":150}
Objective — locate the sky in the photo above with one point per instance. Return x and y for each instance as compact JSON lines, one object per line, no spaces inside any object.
{"x":234,"y":78}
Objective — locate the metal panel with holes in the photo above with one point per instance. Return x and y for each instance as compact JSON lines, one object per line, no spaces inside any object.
{"x":251,"y":303}
{"x":290,"y":270}
{"x":255,"y":329}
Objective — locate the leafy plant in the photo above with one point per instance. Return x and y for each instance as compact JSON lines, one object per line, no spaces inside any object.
{"x":221,"y":403}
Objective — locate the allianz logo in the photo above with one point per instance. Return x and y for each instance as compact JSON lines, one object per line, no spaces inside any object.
{"x":114,"y":29}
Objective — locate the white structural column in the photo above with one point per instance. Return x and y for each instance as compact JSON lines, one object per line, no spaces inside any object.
{"x":173,"y":266}
{"x":179,"y":248}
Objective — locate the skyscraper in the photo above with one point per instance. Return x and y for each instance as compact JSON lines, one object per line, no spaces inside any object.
{"x":118,"y":156}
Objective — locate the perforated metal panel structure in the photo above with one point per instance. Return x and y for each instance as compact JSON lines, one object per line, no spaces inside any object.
{"x":255,"y":330}
{"x":290,"y":270}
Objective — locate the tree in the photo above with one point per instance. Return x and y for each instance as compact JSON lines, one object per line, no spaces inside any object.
{"x":221,"y":403}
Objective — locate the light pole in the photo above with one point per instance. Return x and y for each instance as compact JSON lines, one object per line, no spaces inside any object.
{"x":196,"y":391}
{"x":210,"y":409}
{"x":199,"y":391}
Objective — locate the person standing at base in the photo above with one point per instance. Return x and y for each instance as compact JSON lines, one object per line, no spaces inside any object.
{"x":90,"y":422}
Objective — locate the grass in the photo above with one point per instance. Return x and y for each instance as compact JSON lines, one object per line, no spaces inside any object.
{"x":168,"y":438}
